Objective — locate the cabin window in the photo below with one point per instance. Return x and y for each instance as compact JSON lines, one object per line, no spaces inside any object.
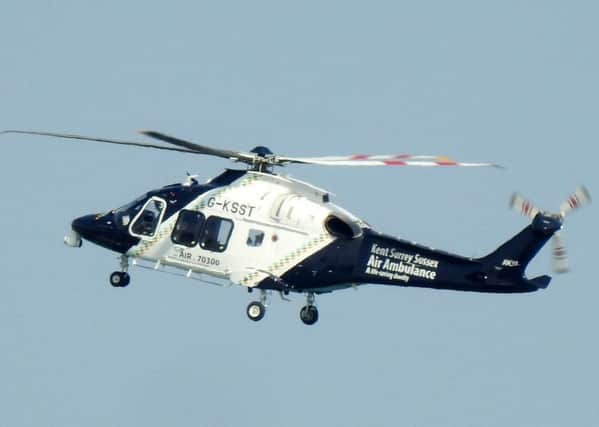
{"x":147,"y":221}
{"x":216,"y":234}
{"x":188,"y":228}
{"x":255,"y":237}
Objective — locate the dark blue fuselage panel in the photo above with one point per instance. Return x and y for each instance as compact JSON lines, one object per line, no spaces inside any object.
{"x":379,"y":259}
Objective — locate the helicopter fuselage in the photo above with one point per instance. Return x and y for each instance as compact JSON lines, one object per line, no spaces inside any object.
{"x":272,"y":232}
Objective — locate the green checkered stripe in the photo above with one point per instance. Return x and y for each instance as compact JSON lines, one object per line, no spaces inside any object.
{"x":248,"y":180}
{"x":282,"y":265}
{"x":146,"y":245}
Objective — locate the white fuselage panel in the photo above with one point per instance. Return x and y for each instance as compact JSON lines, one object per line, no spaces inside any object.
{"x":277,"y":223}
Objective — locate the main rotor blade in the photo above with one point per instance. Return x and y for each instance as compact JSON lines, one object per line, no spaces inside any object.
{"x":382,"y":160}
{"x":93,"y":139}
{"x":200,"y":149}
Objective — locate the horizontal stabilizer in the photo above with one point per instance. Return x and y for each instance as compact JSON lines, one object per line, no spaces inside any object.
{"x":541,"y":282}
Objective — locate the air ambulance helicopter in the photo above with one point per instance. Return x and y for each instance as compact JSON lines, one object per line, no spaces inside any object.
{"x":270,"y":232}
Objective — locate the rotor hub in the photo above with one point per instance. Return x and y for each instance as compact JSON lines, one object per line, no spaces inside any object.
{"x":262,"y":151}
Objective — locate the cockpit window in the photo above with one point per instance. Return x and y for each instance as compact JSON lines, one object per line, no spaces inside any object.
{"x":188,"y":227}
{"x":125,"y":214}
{"x":146,"y":223}
{"x":216,"y":233}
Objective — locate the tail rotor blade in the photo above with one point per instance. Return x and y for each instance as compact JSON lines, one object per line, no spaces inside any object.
{"x":523,"y":206}
{"x":580,"y":198}
{"x":561,"y":263}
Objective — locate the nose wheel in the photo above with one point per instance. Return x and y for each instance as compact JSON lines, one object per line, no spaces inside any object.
{"x":120,"y":279}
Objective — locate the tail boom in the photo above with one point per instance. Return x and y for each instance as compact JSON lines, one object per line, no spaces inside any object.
{"x":389,"y":261}
{"x":375,"y":258}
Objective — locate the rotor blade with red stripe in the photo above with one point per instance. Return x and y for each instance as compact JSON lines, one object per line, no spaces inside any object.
{"x":580,"y":198}
{"x":382,"y":160}
{"x":561,"y":263}
{"x":523,"y":206}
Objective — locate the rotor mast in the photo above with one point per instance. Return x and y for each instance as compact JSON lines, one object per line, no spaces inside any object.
{"x":264,"y":159}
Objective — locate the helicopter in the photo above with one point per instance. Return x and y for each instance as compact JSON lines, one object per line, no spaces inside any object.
{"x":272,"y":233}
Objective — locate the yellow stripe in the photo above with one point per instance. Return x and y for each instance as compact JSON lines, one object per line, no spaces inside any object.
{"x":146,"y":245}
{"x":282,"y":264}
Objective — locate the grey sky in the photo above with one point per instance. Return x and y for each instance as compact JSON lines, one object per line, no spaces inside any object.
{"x":512,"y":82}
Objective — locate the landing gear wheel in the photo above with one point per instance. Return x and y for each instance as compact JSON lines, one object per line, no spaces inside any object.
{"x":119,"y":279}
{"x":309,"y":314}
{"x":126,"y":279}
{"x":256,"y":311}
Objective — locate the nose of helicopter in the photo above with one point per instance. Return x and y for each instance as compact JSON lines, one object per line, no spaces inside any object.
{"x":85,"y":226}
{"x":101,"y":230}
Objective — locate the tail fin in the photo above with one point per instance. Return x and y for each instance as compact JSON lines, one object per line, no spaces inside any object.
{"x":509,"y":261}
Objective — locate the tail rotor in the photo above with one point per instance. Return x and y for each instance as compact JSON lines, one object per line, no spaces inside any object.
{"x":578,"y":199}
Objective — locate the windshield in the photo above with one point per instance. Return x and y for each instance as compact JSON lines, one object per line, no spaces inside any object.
{"x":126,"y":213}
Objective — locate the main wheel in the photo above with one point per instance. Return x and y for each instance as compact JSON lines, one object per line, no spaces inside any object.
{"x":256,"y":311}
{"x":309,"y":314}
{"x":126,"y":279}
{"x":119,"y":279}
